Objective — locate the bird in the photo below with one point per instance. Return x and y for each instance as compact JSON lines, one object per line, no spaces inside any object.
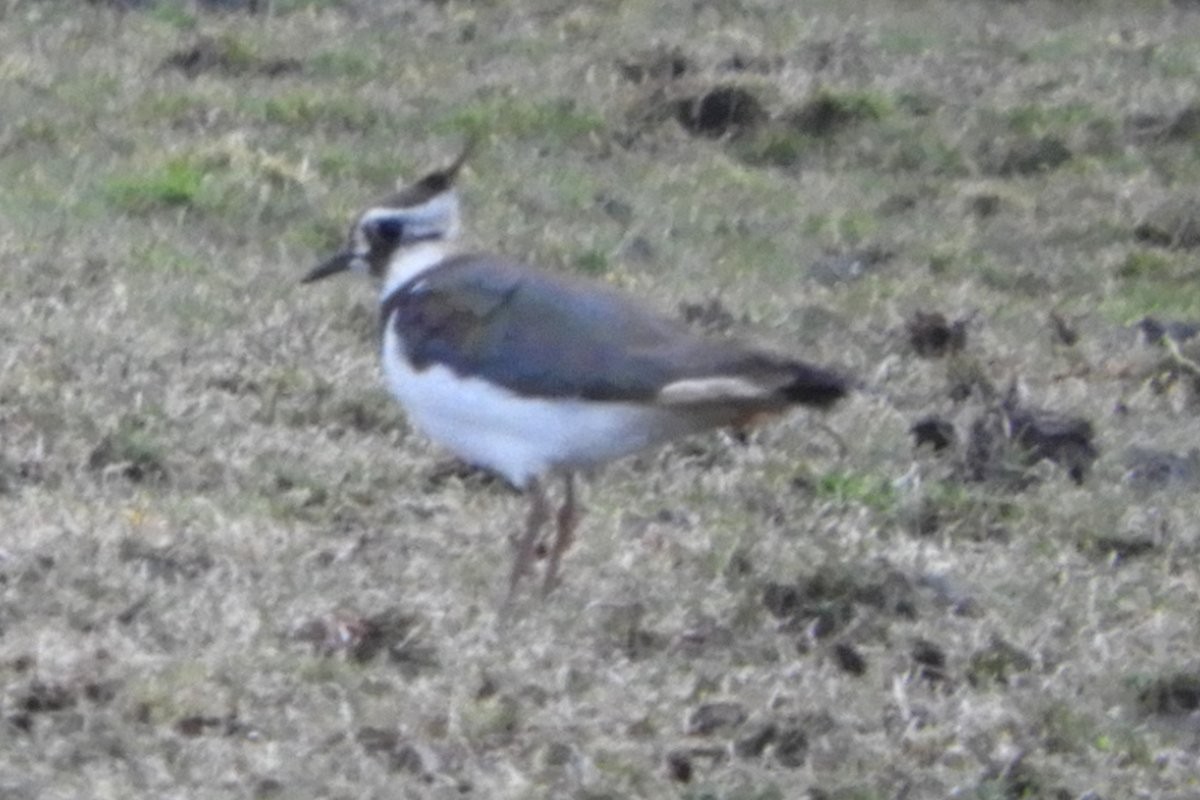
{"x":535,"y":375}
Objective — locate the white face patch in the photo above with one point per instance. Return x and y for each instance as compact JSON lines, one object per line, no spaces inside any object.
{"x":437,"y":217}
{"x":410,"y":262}
{"x":358,"y":243}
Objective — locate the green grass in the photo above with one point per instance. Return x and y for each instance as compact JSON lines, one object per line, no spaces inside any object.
{"x":175,"y":183}
{"x":1146,"y":265}
{"x":171,"y":108}
{"x":559,"y":120}
{"x":1037,"y":119}
{"x":1138,"y":300}
{"x":304,"y":109}
{"x":343,"y":63}
{"x":592,"y":262}
{"x":175,"y":14}
{"x":873,"y":492}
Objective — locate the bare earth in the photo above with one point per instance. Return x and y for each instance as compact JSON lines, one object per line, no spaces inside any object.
{"x":229,"y":569}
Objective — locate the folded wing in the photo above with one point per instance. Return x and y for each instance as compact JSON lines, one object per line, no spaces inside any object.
{"x":541,"y":335}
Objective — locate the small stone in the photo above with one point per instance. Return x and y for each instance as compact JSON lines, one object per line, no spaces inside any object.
{"x":791,"y":747}
{"x":1156,"y":469}
{"x":935,"y":432}
{"x":1033,"y":156}
{"x":267,"y":789}
{"x":782,"y":599}
{"x":1154,"y":330}
{"x":931,"y":660}
{"x":710,"y":718}
{"x":679,"y":766}
{"x":849,"y":659}
{"x":194,"y":725}
{"x":932,"y":335}
{"x":836,"y":268}
{"x":753,"y":744}
{"x":1176,"y":694}
{"x":720,"y":111}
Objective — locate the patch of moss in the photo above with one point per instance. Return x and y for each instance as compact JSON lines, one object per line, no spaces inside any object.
{"x":1144,"y":265}
{"x":1136,"y":299}
{"x":849,"y":487}
{"x":592,"y":261}
{"x":173,"y":184}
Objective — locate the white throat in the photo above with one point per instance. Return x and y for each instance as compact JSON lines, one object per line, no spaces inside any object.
{"x":406,"y":264}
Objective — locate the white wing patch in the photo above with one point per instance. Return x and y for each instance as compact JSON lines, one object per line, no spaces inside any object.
{"x":710,"y":390}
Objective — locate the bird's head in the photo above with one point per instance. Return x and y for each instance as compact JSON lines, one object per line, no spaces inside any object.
{"x":424,"y":211}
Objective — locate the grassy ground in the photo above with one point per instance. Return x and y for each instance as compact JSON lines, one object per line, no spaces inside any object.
{"x":228,"y":569}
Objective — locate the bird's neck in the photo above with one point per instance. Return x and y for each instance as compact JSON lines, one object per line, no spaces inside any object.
{"x":406,"y":264}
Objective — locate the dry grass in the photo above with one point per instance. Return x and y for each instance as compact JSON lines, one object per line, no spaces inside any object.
{"x":229,"y":570}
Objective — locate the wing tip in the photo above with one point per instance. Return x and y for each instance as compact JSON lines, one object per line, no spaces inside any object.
{"x":805,"y":385}
{"x":816,"y":386}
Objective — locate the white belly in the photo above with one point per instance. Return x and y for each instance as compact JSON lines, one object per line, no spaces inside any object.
{"x":520,"y":437}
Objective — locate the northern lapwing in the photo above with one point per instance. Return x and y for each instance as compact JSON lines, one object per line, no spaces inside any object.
{"x":531,"y":374}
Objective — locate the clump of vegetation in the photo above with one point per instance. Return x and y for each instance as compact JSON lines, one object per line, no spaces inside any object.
{"x":720,"y":111}
{"x":132,"y":450}
{"x":228,"y":54}
{"x":1145,"y":265}
{"x":999,"y":663}
{"x":1177,"y":694}
{"x":829,"y":113}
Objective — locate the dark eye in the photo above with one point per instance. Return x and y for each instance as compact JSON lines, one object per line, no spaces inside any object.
{"x":387,"y":229}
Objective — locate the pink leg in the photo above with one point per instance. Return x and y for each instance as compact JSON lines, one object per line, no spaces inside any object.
{"x":525,"y":545}
{"x":568,"y":517}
